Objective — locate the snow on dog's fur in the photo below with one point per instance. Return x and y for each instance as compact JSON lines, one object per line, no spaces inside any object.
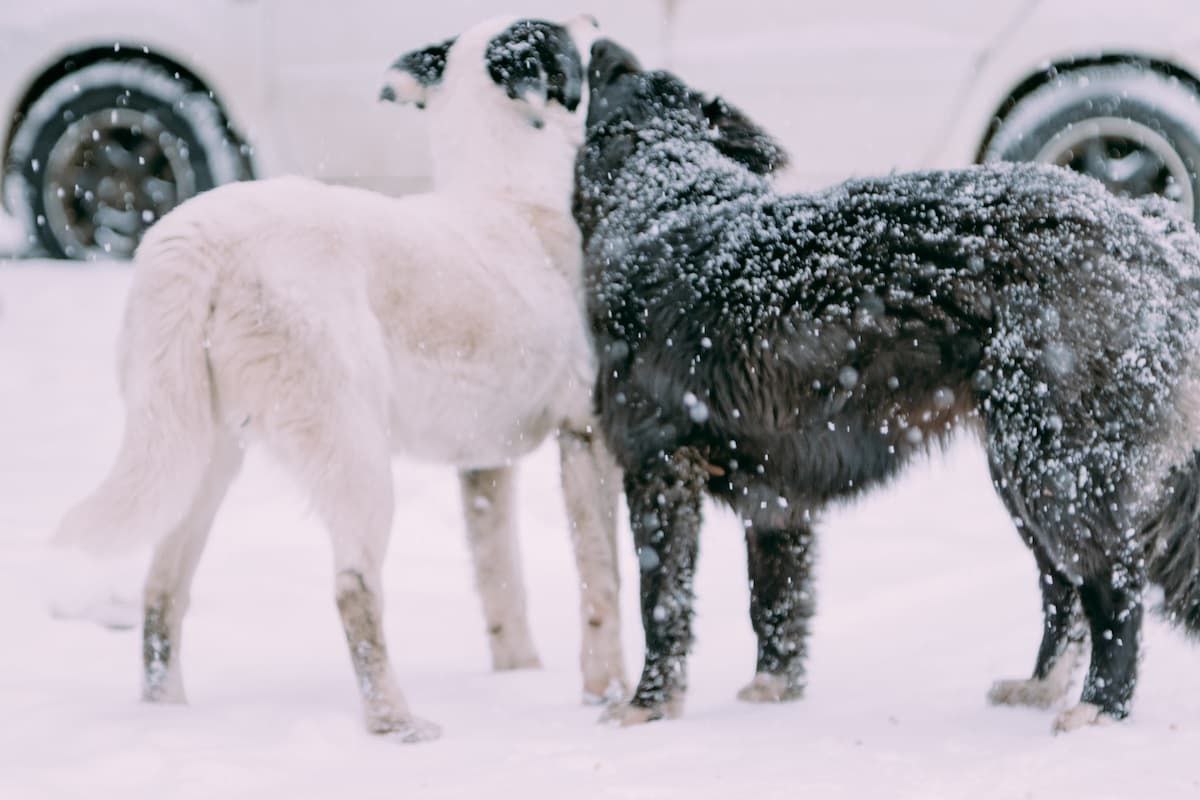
{"x":339,"y":326}
{"x":780,"y":352}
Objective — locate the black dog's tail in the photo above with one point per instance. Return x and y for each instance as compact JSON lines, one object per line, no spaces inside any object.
{"x":1173,"y":538}
{"x":1174,"y":543}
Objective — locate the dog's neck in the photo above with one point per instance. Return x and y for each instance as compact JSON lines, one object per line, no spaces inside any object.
{"x":529,"y":170}
{"x":512,"y":159}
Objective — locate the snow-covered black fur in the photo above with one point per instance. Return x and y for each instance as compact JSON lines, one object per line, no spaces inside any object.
{"x":428,"y":64}
{"x":782,"y":351}
{"x":534,"y":56}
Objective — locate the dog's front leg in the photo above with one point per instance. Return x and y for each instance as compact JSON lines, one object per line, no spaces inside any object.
{"x":590,"y":480}
{"x":780,"y":560}
{"x":490,"y":513}
{"x":664,"y":500}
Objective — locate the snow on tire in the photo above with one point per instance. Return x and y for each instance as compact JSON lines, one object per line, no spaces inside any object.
{"x":1135,"y":129}
{"x":110,"y":148}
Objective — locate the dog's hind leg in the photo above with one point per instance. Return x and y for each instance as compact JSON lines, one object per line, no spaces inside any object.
{"x":168,"y":584}
{"x":664,"y":498}
{"x":1112,"y":603}
{"x":1064,"y":639}
{"x":590,"y":480}
{"x":339,"y":450}
{"x":780,"y":563}
{"x":1066,"y":526}
{"x":487,"y":498}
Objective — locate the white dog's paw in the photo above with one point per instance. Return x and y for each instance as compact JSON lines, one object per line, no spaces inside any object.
{"x":163,"y":690}
{"x":512,"y":648}
{"x":768,"y":688}
{"x":604,"y":692}
{"x":404,"y":728}
{"x":507,"y":662}
{"x":1080,"y":716}
{"x":627,"y":714}
{"x":1030,"y":692}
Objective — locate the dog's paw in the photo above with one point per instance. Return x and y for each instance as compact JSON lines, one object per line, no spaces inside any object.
{"x":508,"y":662}
{"x":165,"y":694}
{"x":512,"y":649}
{"x":1080,"y":716}
{"x":404,"y":728}
{"x":1031,"y":692}
{"x":768,"y":688}
{"x":607,"y":692}
{"x":628,"y":714}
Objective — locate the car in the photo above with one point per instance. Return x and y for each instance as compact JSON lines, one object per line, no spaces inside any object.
{"x":859,"y":87}
{"x":113,"y":112}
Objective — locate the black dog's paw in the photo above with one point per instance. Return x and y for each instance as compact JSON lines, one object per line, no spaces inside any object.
{"x":769,"y":688}
{"x":1031,"y":692}
{"x":1083,"y":715}
{"x":628,"y":713}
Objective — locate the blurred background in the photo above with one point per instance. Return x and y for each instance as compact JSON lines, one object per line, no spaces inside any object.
{"x":114,"y":111}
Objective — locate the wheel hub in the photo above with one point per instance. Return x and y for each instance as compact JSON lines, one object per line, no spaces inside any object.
{"x":1128,"y":157}
{"x":111,"y":174}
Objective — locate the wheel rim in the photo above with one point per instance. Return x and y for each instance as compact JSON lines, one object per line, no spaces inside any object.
{"x":1129,"y":158}
{"x":109,"y":177}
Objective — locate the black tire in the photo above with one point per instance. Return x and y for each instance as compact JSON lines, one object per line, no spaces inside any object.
{"x":1136,"y":130}
{"x":109,"y":149}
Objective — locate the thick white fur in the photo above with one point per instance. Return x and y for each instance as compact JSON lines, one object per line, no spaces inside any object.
{"x":337,"y":326}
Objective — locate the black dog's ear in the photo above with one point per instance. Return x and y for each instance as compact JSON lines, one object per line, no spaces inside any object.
{"x":536,"y":61}
{"x":412,"y":75}
{"x":742,"y":140}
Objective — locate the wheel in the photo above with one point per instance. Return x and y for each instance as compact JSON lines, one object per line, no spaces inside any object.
{"x":1135,"y":130}
{"x":109,"y":149}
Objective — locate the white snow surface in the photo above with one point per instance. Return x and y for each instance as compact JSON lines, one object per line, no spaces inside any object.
{"x":925,"y":595}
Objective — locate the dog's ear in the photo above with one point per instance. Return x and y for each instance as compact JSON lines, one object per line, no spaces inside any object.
{"x":413,"y":74}
{"x":737,"y":137}
{"x":536,"y":62}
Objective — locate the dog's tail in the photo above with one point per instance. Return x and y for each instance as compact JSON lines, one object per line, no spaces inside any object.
{"x":1174,"y":540}
{"x":165,"y":379}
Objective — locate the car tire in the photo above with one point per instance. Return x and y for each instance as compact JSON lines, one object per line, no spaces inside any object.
{"x":106,"y":151}
{"x":1134,"y":129}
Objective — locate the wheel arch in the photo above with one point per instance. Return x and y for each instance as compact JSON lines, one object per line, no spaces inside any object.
{"x":123,"y":52}
{"x":1054,"y":70}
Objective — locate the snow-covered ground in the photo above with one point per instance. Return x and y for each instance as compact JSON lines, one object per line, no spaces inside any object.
{"x":926,"y":595}
{"x":12,"y":236}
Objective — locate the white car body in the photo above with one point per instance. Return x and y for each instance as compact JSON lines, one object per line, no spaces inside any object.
{"x":862,"y":87}
{"x":851,"y":88}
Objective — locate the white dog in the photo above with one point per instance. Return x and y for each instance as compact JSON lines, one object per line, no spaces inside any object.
{"x":339,"y":326}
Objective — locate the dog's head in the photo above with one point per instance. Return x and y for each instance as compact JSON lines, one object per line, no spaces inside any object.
{"x":505,"y":102}
{"x":530,"y":62}
{"x":624,"y":98}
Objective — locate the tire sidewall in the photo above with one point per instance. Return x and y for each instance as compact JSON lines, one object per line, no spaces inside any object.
{"x":169,"y":109}
{"x":1121,"y":96}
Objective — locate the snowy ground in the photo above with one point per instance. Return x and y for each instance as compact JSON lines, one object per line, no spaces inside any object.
{"x":926,"y":595}
{"x":12,"y":236}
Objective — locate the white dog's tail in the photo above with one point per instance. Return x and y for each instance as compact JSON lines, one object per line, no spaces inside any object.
{"x":169,"y":424}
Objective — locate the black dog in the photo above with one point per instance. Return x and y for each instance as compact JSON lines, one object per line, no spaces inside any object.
{"x":779,"y":352}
